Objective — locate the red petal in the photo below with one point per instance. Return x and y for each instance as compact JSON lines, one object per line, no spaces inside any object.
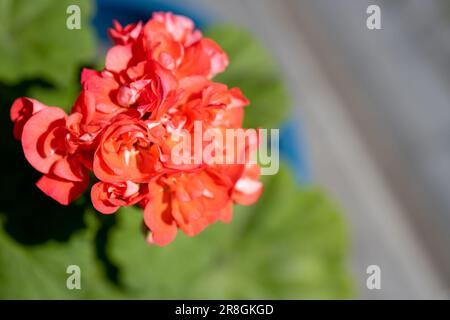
{"x":218,"y":58}
{"x":102,"y":171}
{"x":226,"y":214}
{"x":158,"y":217}
{"x":248,"y":188}
{"x":189,"y":216}
{"x":87,"y":74}
{"x":69,"y":168}
{"x":118,"y":58}
{"x":195,"y":62}
{"x":61,"y":190}
{"x":21,"y":111}
{"x":99,"y":94}
{"x":41,"y":138}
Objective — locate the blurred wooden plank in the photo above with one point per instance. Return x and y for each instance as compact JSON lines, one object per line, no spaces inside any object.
{"x":398,"y":97}
{"x":341,"y":161}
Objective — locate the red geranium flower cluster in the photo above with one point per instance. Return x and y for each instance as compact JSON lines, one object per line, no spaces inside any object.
{"x":156,"y":83}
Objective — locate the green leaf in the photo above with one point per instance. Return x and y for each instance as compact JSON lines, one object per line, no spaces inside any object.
{"x":39,"y":271}
{"x":253,"y":70}
{"x":35,"y":42}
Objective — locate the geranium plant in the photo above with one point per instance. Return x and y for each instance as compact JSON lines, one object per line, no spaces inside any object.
{"x":291,"y":244}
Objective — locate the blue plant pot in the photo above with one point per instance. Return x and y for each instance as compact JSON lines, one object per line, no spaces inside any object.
{"x":292,"y":144}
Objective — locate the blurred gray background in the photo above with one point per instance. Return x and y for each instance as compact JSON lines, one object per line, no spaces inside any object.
{"x":375,"y":105}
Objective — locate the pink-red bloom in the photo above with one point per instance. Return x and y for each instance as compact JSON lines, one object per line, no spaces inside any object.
{"x":52,"y":144}
{"x":127,"y":121}
{"x":109,"y":197}
{"x":128,"y":151}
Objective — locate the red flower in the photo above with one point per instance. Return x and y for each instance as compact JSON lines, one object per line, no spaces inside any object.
{"x":109,"y":197}
{"x":136,"y":91}
{"x":170,"y":40}
{"x":128,"y":121}
{"x":216,"y":105}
